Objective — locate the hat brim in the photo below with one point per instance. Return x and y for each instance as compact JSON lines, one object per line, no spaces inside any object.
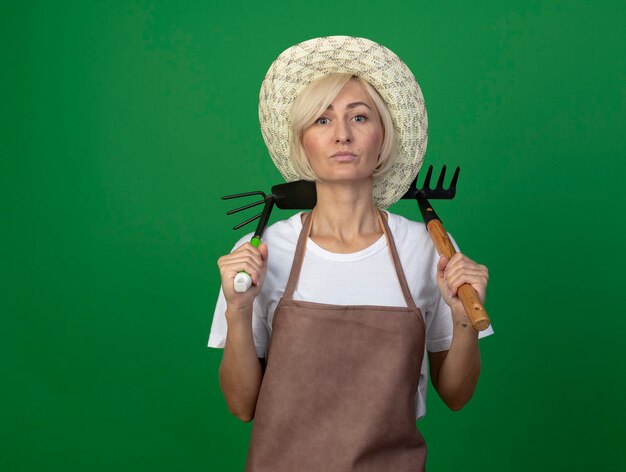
{"x":304,"y":63}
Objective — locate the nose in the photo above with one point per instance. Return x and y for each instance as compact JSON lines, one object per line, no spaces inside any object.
{"x":343,"y":133}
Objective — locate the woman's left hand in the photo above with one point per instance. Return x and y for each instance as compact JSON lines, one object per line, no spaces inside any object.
{"x":459,"y":270}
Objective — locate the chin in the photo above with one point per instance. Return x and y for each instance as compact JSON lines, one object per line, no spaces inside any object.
{"x":346,"y":178}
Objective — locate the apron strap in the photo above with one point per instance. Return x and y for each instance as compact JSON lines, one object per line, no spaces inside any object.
{"x":298,"y":258}
{"x":396,"y":261}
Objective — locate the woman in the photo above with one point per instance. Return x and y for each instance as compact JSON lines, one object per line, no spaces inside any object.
{"x":351,"y":296}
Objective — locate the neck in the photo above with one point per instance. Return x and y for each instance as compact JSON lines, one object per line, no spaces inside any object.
{"x":345,"y":214}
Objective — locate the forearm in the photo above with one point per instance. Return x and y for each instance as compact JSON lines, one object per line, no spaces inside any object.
{"x":240,"y":372}
{"x":460,"y":370}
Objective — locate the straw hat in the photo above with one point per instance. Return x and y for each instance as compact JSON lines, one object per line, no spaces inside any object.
{"x":303,"y":63}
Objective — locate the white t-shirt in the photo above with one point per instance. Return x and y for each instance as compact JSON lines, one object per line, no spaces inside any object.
{"x":366,"y":277}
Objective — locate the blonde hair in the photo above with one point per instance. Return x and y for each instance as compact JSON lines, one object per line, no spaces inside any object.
{"x":314,"y":100}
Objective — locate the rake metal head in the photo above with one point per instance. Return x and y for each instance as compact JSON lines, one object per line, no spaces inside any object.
{"x":245,"y":207}
{"x":298,"y":195}
{"x":439,"y":192}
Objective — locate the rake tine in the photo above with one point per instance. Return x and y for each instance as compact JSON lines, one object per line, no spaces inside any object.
{"x":452,"y":187}
{"x":245,"y":207}
{"x":442,"y":176}
{"x":255,"y":217}
{"x":438,"y":192}
{"x":246,"y":194}
{"x":429,"y":174}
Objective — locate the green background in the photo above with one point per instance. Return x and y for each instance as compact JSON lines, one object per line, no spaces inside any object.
{"x":123,"y":123}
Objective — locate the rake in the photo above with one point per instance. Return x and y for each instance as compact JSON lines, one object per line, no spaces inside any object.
{"x":299,"y":195}
{"x":469,"y":298}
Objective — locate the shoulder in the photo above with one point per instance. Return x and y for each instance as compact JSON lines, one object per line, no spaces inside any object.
{"x":414,"y":244}
{"x":401,"y":224}
{"x":283,"y":233}
{"x":412,"y":232}
{"x":407,"y":231}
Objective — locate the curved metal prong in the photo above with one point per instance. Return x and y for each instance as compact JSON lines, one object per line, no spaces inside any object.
{"x":249,"y":220}
{"x":246,"y":194}
{"x":455,"y":177}
{"x":442,"y":176}
{"x":429,"y":174}
{"x":439,"y":191}
{"x":245,"y":207}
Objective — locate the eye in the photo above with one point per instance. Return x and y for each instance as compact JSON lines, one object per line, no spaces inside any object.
{"x":360,"y":118}
{"x":322,"y":121}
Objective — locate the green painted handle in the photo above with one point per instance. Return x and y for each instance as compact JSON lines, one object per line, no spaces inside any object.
{"x":242,"y":279}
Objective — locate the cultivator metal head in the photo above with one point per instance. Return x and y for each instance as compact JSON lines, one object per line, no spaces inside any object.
{"x":299,"y":195}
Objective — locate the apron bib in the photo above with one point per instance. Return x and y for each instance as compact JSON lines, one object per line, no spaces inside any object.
{"x":338,"y":393}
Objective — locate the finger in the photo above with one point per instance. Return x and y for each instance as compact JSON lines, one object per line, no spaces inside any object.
{"x":241,"y":257}
{"x":232,"y":267}
{"x":477,"y":278}
{"x":478,"y":282}
{"x":458,"y":270}
{"x":441,"y":267}
{"x":458,"y":259}
{"x":247,"y":248}
{"x":464,"y":264}
{"x":466,"y":278}
{"x":228,"y":273}
{"x":248,"y":255}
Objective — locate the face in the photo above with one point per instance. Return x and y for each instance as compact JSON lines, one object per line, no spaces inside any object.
{"x":344,"y":143}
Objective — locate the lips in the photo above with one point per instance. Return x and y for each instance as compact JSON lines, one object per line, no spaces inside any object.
{"x":343,"y":156}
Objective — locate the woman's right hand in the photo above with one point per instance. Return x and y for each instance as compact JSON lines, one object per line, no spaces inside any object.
{"x":247,"y":258}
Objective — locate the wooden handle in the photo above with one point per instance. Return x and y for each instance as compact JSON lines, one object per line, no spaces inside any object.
{"x":471,"y":303}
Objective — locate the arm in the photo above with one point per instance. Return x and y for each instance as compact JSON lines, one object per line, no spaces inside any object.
{"x":240,"y":372}
{"x":454,"y":373}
